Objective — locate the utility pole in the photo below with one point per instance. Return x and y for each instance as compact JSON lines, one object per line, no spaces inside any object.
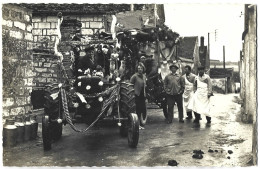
{"x":224,"y":64}
{"x":207,"y":65}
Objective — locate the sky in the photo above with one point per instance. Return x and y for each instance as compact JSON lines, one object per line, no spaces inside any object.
{"x":201,"y":19}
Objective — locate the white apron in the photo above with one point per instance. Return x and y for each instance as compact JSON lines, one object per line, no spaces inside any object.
{"x":187,"y":96}
{"x":201,"y":102}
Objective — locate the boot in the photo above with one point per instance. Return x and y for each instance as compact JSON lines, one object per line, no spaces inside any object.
{"x":208,"y":119}
{"x":189,"y":115}
{"x":197,"y":118}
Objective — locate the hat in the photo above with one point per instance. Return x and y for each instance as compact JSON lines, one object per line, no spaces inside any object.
{"x":173,"y":65}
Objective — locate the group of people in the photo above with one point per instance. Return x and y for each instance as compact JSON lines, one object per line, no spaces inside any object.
{"x":191,"y":93}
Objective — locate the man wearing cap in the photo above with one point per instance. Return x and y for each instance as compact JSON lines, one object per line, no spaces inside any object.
{"x":201,"y":97}
{"x":174,"y":87}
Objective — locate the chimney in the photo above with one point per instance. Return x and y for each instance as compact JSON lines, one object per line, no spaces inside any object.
{"x":201,"y":41}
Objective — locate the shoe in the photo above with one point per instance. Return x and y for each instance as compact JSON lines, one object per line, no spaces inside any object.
{"x":208,"y":122}
{"x":181,"y":121}
{"x":141,"y":128}
{"x":188,"y":118}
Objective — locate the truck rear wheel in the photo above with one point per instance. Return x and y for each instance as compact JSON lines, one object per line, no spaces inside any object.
{"x":126,"y":105}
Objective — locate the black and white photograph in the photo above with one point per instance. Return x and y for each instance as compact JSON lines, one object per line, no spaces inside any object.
{"x":129,"y":83}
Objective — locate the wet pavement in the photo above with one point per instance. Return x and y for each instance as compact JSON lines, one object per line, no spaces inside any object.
{"x":158,"y":142}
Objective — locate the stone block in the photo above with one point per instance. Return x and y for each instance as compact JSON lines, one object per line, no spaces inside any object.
{"x":28,"y":100}
{"x":52,"y":32}
{"x":29,"y":45}
{"x":16,"y":34}
{"x":41,"y":70}
{"x":29,"y":73}
{"x":19,"y":25}
{"x":6,"y":112}
{"x":46,"y":64}
{"x":86,"y":31}
{"x":86,"y":18}
{"x":37,"y":32}
{"x":53,"y":25}
{"x":41,"y":80}
{"x":52,"y":19}
{"x":29,"y":28}
{"x":30,"y":81}
{"x":37,"y":19}
{"x":44,"y":32}
{"x":8,"y":23}
{"x":96,"y":25}
{"x":8,"y":102}
{"x":43,"y":25}
{"x":43,"y":38}
{"x":98,"y":18}
{"x":27,"y":18}
{"x":46,"y":75}
{"x":36,"y":25}
{"x":16,"y":111}
{"x":53,"y":38}
{"x":51,"y":80}
{"x":35,"y":39}
{"x":20,"y":101}
{"x":28,"y":36}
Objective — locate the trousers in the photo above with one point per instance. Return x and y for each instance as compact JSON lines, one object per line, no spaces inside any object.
{"x":171,"y":100}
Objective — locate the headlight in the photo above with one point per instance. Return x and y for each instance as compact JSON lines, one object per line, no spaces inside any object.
{"x":118,"y":79}
{"x":100,"y":99}
{"x":88,"y":87}
{"x":75,"y":105}
{"x":100,"y":83}
{"x":88,"y":106}
{"x":79,"y":84}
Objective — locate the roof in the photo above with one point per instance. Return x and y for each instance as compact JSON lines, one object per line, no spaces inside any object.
{"x":50,"y":9}
{"x":187,"y":46}
{"x":221,"y":72}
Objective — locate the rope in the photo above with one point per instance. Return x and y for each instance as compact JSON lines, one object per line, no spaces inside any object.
{"x":112,"y":98}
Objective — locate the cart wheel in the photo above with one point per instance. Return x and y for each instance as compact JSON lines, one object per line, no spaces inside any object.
{"x":56,"y":131}
{"x":133,"y":130}
{"x":164,"y":107}
{"x":46,"y":133}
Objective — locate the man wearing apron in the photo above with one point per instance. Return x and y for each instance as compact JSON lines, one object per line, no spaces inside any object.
{"x":188,"y":91}
{"x":201,"y":97}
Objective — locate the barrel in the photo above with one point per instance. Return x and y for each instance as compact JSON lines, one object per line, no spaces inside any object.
{"x":20,"y":129}
{"x":34,"y":125}
{"x":9,"y":133}
{"x":28,"y":129}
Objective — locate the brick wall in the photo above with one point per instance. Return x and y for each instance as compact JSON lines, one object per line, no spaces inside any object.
{"x":16,"y":59}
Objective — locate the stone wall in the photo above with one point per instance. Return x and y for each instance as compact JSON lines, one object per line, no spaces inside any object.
{"x":249,"y":76}
{"x":16,"y":59}
{"x":45,"y":28}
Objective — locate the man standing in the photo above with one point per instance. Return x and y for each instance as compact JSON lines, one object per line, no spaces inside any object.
{"x":189,"y":79}
{"x":174,"y":87}
{"x":201,"y":97}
